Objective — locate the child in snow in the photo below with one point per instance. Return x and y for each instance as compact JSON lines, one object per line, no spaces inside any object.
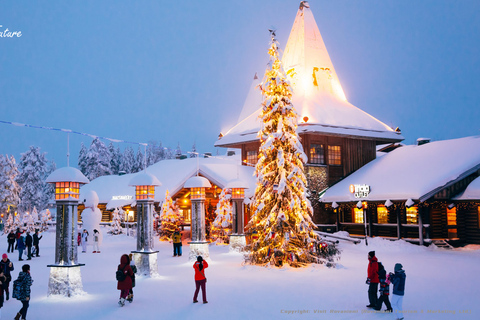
{"x":384,"y":289}
{"x":96,"y":239}
{"x":134,"y":269}
{"x":200,"y":279}
{"x":26,"y":282}
{"x":177,"y":243}
{"x":84,"y":240}
{"x":398,"y":281}
{"x":126,"y":284}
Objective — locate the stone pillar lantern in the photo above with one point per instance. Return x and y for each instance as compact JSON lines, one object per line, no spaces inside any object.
{"x":198,"y":245}
{"x":65,"y":276}
{"x":145,"y":256}
{"x":237,"y":238}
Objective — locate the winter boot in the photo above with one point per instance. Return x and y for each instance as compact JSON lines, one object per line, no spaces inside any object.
{"x":17,"y":317}
{"x":130,"y":298}
{"x":121,"y":302}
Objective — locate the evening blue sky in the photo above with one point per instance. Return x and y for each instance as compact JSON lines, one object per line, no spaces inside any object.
{"x":179,"y":72}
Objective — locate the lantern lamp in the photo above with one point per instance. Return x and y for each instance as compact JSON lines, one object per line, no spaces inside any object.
{"x":145,"y":256}
{"x":198,"y":245}
{"x":65,"y":276}
{"x":237,"y":238}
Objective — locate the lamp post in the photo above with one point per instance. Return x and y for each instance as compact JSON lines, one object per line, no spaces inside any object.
{"x":65,"y":276}
{"x":198,"y":245}
{"x":145,"y":256}
{"x":237,"y":238}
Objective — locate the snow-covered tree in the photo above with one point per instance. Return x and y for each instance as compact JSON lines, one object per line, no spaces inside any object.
{"x":115,"y":158}
{"x":194,"y":153}
{"x":33,"y":172}
{"x":45,"y":217}
{"x":139,"y":161}
{"x":116,"y":223}
{"x":9,"y":226}
{"x":155,"y":152}
{"x":48,"y":188}
{"x":178,"y":151}
{"x":82,"y":159}
{"x":30,"y":224}
{"x":97,"y":160}
{"x":9,"y":188}
{"x":281,"y":211}
{"x":222,"y":225}
{"x":17,"y":223}
{"x":35,"y":217}
{"x":128,"y":160}
{"x":169,"y":154}
{"x":170,"y":218}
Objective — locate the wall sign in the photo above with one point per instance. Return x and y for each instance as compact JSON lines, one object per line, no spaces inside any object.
{"x":360,"y":190}
{"x":122,"y":198}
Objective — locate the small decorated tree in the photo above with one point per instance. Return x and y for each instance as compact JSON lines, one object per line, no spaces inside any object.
{"x":30,"y":225}
{"x":35,"y":218}
{"x":116,"y":223}
{"x":170,"y":218}
{"x":281,"y":212}
{"x":45,"y":217}
{"x":17,"y":223}
{"x":222,"y":225}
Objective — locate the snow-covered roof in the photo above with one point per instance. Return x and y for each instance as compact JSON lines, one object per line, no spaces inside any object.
{"x":197,"y":182}
{"x":412,"y":172}
{"x":144,"y":179}
{"x":67,"y":174}
{"x":317,"y":93}
{"x":173,"y":174}
{"x":237,"y":183}
{"x":472,"y":192}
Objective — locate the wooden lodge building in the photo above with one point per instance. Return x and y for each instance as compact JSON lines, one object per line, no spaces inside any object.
{"x":114,"y":191}
{"x":421,"y":193}
{"x":338,"y":138}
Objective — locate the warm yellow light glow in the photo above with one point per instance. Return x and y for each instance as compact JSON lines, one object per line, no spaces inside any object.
{"x":412,"y":215}
{"x":382,"y":214}
{"x":357,"y":215}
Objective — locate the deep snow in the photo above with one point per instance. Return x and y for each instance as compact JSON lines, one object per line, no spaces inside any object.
{"x":437,"y":279}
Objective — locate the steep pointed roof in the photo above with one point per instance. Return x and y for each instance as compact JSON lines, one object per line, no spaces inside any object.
{"x":317,"y":93}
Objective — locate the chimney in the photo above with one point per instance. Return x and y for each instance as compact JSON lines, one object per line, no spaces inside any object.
{"x":421,"y":141}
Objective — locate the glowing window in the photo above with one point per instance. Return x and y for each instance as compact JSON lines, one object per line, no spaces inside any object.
{"x":358,"y":215}
{"x":334,"y":155}
{"x":197,"y":193}
{"x":412,"y":213}
{"x":65,"y":190}
{"x":452,"y":216}
{"x":145,"y":192}
{"x":382,"y":214}
{"x":252,"y":157}
{"x":316,"y":154}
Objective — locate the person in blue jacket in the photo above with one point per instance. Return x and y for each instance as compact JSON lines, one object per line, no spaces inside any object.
{"x":20,"y":246}
{"x":398,"y":281}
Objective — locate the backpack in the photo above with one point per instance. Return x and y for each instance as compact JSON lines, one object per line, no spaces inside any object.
{"x":17,"y":289}
{"x":120,"y":275}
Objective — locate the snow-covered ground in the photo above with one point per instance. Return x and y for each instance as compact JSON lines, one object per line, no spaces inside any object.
{"x":437,"y":280}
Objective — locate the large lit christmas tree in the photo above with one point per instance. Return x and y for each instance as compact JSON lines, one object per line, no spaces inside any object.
{"x":170,"y":219}
{"x":281,"y":212}
{"x":222,"y":225}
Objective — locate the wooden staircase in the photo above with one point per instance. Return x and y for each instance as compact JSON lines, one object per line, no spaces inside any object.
{"x":439,"y":243}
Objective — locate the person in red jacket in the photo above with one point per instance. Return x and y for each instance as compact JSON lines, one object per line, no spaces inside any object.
{"x":200,"y":279}
{"x":126,"y":284}
{"x":372,"y":279}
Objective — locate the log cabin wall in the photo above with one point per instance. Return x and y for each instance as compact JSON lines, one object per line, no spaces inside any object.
{"x":468,"y":224}
{"x":438,"y":221}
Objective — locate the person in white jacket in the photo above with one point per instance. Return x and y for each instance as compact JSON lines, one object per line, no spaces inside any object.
{"x":84,"y":240}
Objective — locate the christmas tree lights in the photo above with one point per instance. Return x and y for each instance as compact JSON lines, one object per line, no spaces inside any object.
{"x":281,"y":212}
{"x":170,"y":219}
{"x":222,"y":225}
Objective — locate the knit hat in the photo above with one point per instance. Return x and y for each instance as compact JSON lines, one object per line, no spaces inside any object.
{"x":371,"y":254}
{"x":398,"y":267}
{"x":4,"y":256}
